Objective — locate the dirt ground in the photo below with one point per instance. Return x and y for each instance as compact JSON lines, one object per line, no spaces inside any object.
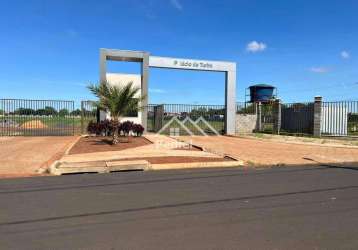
{"x":102,"y":144}
{"x":256,"y":151}
{"x":23,"y":156}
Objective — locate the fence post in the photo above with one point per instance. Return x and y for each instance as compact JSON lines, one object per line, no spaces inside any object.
{"x":82,"y":118}
{"x":258,"y":116}
{"x":317,"y":110}
{"x":158,"y":117}
{"x":276,"y":113}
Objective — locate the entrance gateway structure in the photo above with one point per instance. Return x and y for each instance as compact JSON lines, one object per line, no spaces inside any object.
{"x":147,"y":61}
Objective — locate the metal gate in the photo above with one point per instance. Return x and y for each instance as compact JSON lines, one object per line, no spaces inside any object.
{"x":184,"y":119}
{"x":267,"y":118}
{"x":19,"y":117}
{"x":89,"y":113}
{"x":339,"y":118}
{"x":297,"y":118}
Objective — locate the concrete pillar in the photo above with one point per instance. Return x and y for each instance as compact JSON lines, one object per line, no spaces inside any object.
{"x":158,"y":117}
{"x":144,"y":89}
{"x":102,"y":65}
{"x":276,"y":113}
{"x":317,"y":116}
{"x":258,"y":116}
{"x":230,"y":102}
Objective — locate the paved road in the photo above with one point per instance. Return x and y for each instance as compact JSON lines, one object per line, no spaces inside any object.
{"x":281,"y":208}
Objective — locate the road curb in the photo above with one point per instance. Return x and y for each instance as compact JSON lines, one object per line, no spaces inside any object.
{"x":61,"y":168}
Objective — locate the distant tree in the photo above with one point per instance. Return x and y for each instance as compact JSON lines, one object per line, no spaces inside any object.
{"x":199,"y":111}
{"x":207,"y":112}
{"x":50,"y":110}
{"x":24,"y":111}
{"x":46,"y":111}
{"x":63,"y":112}
{"x":76,"y":112}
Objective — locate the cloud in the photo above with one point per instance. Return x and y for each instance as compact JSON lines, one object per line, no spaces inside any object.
{"x":157,"y":91}
{"x":176,"y":4}
{"x":255,"y":47}
{"x":319,"y":70}
{"x":345,"y":54}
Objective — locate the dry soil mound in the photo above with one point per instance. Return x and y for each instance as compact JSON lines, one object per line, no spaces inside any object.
{"x":33,"y":124}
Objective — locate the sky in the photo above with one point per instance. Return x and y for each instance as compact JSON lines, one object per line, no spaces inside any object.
{"x":50,"y":49}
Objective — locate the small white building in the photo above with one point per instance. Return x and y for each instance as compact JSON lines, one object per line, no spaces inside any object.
{"x":121,"y":80}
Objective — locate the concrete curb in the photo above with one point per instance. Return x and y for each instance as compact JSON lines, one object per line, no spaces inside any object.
{"x":220,"y":164}
{"x":72,"y":145}
{"x":60,"y":168}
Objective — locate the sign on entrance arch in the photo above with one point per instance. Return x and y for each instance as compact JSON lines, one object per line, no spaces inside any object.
{"x":147,"y":61}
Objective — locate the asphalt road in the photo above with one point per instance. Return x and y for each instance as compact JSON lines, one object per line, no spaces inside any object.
{"x":281,"y":208}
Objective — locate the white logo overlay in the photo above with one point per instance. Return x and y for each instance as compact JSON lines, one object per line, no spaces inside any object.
{"x":175,"y":125}
{"x":195,"y":123}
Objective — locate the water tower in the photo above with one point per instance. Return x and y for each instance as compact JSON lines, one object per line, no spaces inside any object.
{"x":261,"y":93}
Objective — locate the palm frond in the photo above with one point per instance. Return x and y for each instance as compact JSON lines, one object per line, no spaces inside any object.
{"x":118,"y":100}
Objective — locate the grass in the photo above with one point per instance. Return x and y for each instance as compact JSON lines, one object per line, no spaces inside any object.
{"x":259,"y":135}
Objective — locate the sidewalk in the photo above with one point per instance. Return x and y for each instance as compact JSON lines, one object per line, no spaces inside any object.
{"x":23,"y":156}
{"x":262,"y":152}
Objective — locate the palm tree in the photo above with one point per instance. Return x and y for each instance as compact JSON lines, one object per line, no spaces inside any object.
{"x":117,"y":100}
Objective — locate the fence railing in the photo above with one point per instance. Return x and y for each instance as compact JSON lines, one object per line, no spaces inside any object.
{"x":89,"y":113}
{"x":36,"y":117}
{"x":333,"y":118}
{"x":194,"y":118}
{"x":339,"y":118}
{"x":55,"y":117}
{"x":246,"y":108}
{"x":297,"y":118}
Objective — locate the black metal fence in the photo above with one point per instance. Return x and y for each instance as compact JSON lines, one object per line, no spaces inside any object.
{"x":246,"y":108}
{"x":297,"y":118}
{"x":186,"y":119}
{"x":37,"y":117}
{"x":267,"y":117}
{"x":55,"y":117}
{"x":339,"y":118}
{"x":88,"y":113}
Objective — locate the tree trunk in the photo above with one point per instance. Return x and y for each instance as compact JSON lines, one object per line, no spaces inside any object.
{"x":115,"y":140}
{"x":115,"y":136}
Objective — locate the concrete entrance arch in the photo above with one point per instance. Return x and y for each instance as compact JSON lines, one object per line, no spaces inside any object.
{"x":147,"y":61}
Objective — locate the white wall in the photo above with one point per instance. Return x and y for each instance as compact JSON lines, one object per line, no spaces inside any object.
{"x":120,"y":80}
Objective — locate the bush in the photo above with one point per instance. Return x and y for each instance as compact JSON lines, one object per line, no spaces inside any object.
{"x":104,"y":128}
{"x":92,"y":127}
{"x":137,"y":129}
{"x":107,"y":127}
{"x":126,"y":127}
